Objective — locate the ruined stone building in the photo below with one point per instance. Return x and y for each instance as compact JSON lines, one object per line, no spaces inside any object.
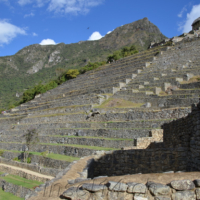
{"x":196,"y":24}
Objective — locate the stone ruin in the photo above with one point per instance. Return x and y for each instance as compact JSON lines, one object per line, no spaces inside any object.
{"x":130,"y":117}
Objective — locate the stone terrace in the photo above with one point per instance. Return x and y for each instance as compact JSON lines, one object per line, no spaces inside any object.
{"x":109,"y":108}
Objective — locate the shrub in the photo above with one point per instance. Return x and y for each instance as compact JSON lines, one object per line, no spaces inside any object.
{"x":44,"y":154}
{"x":72,"y":73}
{"x":124,"y":52}
{"x":1,"y":152}
{"x":16,"y":159}
{"x":28,"y":160}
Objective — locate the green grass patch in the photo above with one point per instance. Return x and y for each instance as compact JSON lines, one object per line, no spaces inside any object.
{"x":90,"y":137}
{"x":81,"y":146}
{"x":51,"y":155}
{"x":17,"y":180}
{"x":8,"y":196}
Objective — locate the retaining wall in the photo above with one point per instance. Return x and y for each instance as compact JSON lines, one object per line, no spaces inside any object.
{"x":179,"y":151}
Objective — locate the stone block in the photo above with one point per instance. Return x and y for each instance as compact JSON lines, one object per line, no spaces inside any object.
{"x":147,"y":64}
{"x":93,"y":187}
{"x":75,"y":193}
{"x":183,"y":185}
{"x":119,"y":196}
{"x":184,"y":195}
{"x":146,"y":83}
{"x":158,"y":189}
{"x":139,"y":71}
{"x":134,"y":76}
{"x":116,"y":186}
{"x":136,"y":188}
{"x":128,"y":81}
{"x":157,"y":90}
{"x":179,"y":79}
{"x":197,"y":191}
{"x":165,"y":86}
{"x":162,"y":198}
{"x":135,"y":91}
{"x":122,"y":85}
{"x":115,"y":89}
{"x":141,"y":86}
{"x":149,"y":93}
{"x":156,"y":79}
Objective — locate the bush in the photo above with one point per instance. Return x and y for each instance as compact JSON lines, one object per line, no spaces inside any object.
{"x":91,"y":66}
{"x":16,"y":159}
{"x":44,"y":154}
{"x":1,"y":152}
{"x":124,"y":52}
{"x":72,"y":73}
{"x":28,"y":160}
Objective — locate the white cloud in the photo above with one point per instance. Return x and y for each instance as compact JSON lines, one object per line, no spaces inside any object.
{"x":194,"y":14}
{"x":38,"y":3}
{"x":29,"y":15}
{"x":9,"y":31}
{"x":184,"y":9}
{"x":47,"y":42}
{"x":24,"y":2}
{"x":109,"y":32}
{"x":95,"y":36}
{"x":35,"y":34}
{"x":64,"y":6}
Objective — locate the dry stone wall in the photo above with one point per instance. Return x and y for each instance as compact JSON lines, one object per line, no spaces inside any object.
{"x":179,"y":151}
{"x":175,"y":190}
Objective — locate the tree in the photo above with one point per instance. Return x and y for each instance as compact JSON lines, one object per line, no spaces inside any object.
{"x":31,"y":139}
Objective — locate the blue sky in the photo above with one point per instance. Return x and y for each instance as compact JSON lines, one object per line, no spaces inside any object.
{"x":26,"y":22}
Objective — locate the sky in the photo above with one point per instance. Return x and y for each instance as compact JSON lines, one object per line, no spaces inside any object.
{"x":44,"y":22}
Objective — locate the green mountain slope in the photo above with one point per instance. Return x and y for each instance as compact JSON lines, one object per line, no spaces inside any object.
{"x":37,"y":63}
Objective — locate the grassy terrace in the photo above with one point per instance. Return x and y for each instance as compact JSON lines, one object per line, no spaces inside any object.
{"x":69,"y":145}
{"x":51,"y":155}
{"x":17,"y":180}
{"x":88,"y":137}
{"x":8,"y":196}
{"x":81,"y":146}
{"x":81,"y":122}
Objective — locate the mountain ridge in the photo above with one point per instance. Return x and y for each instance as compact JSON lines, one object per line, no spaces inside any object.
{"x":36,"y":63}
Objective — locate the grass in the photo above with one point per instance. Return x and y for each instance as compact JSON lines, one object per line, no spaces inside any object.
{"x":58,"y":157}
{"x":8,"y":196}
{"x":119,"y":103}
{"x":81,"y":146}
{"x":194,"y":79}
{"x":17,"y":180}
{"x":51,"y":155}
{"x":56,"y":114}
{"x":90,"y":137}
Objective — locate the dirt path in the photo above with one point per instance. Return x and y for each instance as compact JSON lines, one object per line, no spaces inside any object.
{"x":27,"y":171}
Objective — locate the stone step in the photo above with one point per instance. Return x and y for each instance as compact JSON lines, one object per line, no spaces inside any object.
{"x":145,"y":142}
